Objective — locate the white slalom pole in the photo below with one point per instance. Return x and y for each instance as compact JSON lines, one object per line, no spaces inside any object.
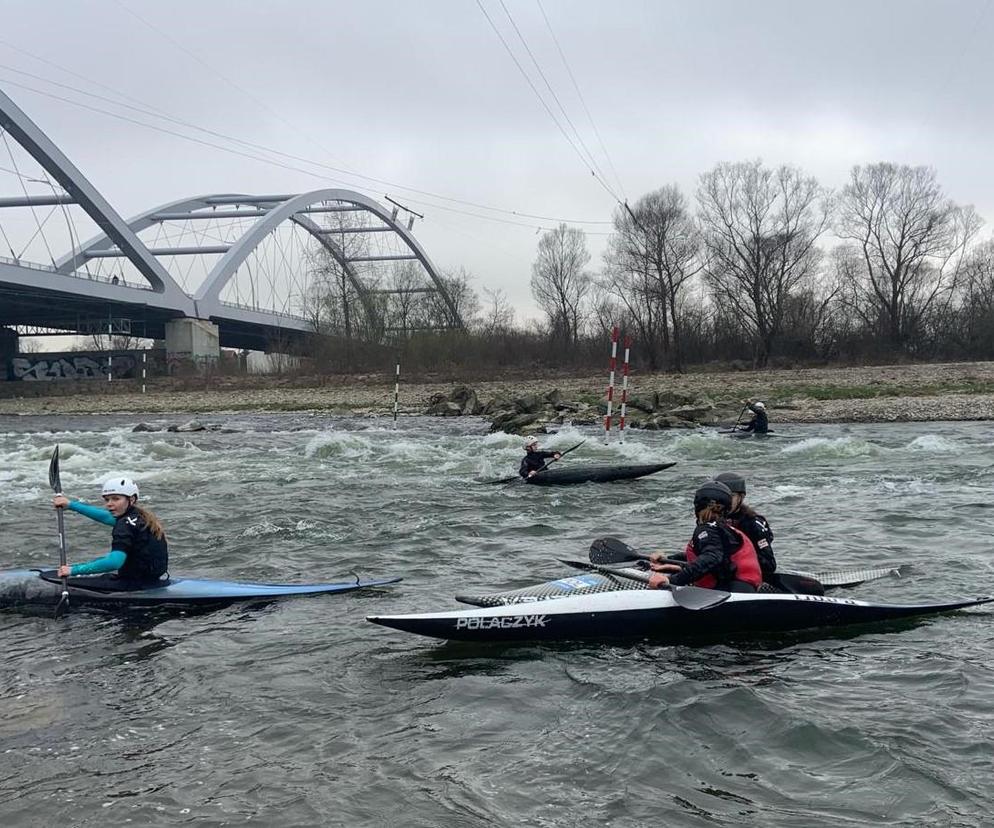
{"x":610,"y":384}
{"x":624,"y":389}
{"x":396,"y":392}
{"x":144,"y":368}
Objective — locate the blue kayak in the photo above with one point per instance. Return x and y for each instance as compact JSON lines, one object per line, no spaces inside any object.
{"x":23,"y":587}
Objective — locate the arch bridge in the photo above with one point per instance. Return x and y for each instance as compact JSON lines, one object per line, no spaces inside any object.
{"x":250,"y":270}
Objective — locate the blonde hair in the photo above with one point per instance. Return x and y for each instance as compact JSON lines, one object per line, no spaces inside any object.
{"x":152,"y":522}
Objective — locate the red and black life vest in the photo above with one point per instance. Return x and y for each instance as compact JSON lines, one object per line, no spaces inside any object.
{"x":743,"y":563}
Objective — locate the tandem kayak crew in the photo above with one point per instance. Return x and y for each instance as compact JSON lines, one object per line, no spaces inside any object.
{"x":754,"y":526}
{"x":719,"y":556}
{"x":535,"y":458}
{"x":760,"y":422}
{"x":139,"y":553}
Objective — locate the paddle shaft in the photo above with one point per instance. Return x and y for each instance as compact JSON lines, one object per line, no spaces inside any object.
{"x":552,"y":460}
{"x":739,"y":418}
{"x":55,"y":479}
{"x":688,"y":597}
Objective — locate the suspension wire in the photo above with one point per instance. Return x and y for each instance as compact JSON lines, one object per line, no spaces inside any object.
{"x":258,"y":101}
{"x":583,"y":101}
{"x":158,"y":113}
{"x":545,"y":105}
{"x":24,"y":189}
{"x":70,"y":225}
{"x":590,"y":157}
{"x":311,"y":173}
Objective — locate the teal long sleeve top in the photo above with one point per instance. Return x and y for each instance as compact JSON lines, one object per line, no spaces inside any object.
{"x":113,"y":560}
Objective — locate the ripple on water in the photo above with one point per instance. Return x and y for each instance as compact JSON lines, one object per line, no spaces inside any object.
{"x":301,"y":713}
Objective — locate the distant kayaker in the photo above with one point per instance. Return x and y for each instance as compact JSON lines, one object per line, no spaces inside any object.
{"x":535,"y":458}
{"x":139,"y":552}
{"x":753,"y":525}
{"x":760,"y":422}
{"x":719,"y":556}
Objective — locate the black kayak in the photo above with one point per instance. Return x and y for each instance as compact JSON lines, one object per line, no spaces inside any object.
{"x":589,"y":474}
{"x":656,"y":614}
{"x":26,"y":587}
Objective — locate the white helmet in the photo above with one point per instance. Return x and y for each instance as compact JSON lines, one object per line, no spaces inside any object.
{"x":120,"y":485}
{"x":531,"y":441}
{"x":760,"y":405}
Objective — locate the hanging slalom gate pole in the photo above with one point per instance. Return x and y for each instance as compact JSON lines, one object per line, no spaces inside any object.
{"x":110,"y":353}
{"x":144,"y":368}
{"x":396,"y":392}
{"x":624,"y":389}
{"x":610,"y":384}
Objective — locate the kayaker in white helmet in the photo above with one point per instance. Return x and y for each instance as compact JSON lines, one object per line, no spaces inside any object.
{"x":535,"y":458}
{"x":139,"y":553}
{"x":760,"y":422}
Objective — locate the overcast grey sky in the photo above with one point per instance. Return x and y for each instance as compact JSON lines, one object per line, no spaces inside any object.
{"x":424,"y":95}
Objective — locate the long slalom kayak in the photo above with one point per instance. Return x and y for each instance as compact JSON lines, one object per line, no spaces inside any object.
{"x":26,"y":587}
{"x":652,"y":613}
{"x":593,"y":474}
{"x":592,"y":582}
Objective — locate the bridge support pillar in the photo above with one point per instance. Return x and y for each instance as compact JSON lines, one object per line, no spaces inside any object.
{"x":193,"y":342}
{"x":8,"y":348}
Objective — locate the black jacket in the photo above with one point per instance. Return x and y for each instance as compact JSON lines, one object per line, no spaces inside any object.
{"x":756,"y":528}
{"x":760,"y":422}
{"x":147,"y":556}
{"x":714,"y":544}
{"x":533,"y":461}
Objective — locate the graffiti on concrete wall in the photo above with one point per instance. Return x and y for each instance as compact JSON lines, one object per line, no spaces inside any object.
{"x":49,"y":367}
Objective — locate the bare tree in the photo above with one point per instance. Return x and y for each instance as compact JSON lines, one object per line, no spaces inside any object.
{"x":463,"y":297}
{"x":497,"y":316}
{"x":906,"y":247}
{"x":653,"y":254}
{"x":559,"y":282}
{"x":761,"y":228}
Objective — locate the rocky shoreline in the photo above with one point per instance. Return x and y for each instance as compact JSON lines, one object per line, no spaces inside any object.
{"x":893,"y":393}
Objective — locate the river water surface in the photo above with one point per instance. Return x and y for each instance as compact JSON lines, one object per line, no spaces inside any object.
{"x":302,"y":713}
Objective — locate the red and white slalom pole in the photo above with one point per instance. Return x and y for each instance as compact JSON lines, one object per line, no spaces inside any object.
{"x":396,"y":392}
{"x":610,"y":384}
{"x":624,"y":389}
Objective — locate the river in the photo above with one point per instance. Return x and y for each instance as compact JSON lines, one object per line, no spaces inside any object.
{"x":301,"y":713}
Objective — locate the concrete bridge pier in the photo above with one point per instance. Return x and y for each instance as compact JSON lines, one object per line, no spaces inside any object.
{"x":194,"y":342}
{"x":8,"y":348}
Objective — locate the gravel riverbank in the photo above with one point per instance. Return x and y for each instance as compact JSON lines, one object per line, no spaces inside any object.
{"x":888,"y":393}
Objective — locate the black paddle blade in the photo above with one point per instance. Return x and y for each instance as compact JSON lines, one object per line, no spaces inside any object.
{"x":54,"y":480}
{"x":612,"y":550}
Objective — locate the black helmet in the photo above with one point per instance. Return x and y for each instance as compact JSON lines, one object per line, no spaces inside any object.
{"x":735,"y":482}
{"x":713,"y":491}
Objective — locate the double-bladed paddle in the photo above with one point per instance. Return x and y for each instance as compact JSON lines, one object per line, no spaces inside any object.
{"x":548,"y":463}
{"x":55,"y":481}
{"x":615,"y":551}
{"x":688,"y":597}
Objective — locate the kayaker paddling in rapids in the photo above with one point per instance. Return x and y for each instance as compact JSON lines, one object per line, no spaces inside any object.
{"x":753,"y":525}
{"x":139,"y":553}
{"x":718,"y":555}
{"x":760,"y":422}
{"x":535,"y":458}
